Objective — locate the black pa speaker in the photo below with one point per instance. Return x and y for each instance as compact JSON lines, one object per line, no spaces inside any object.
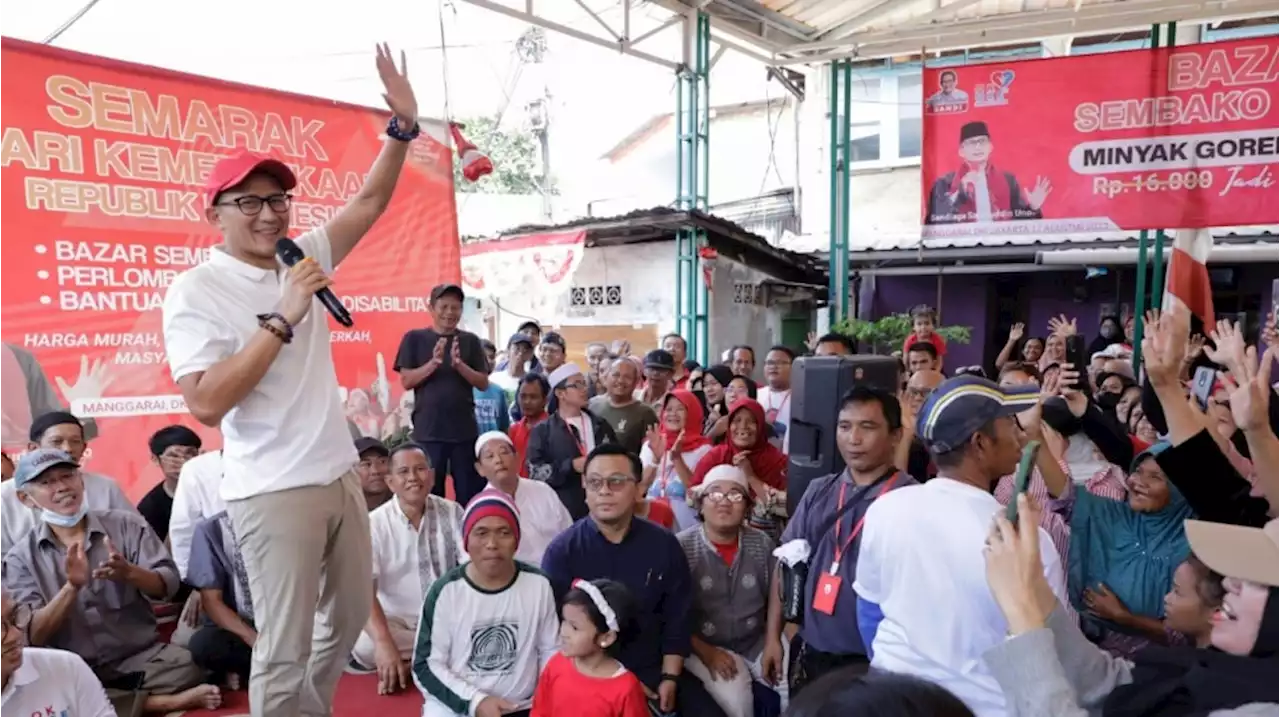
{"x":817,"y":385}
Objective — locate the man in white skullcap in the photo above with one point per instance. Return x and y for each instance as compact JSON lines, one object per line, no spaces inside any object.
{"x":542,"y":515}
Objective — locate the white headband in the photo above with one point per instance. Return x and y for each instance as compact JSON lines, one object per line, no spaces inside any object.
{"x":597,"y":597}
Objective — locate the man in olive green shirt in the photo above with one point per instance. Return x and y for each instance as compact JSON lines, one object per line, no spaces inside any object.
{"x":629,"y":418}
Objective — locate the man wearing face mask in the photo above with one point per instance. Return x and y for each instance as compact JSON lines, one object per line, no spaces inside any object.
{"x":89,"y":578}
{"x":62,"y":431}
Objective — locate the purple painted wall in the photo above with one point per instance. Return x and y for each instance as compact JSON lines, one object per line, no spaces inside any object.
{"x":966,"y":300}
{"x":964,"y":303}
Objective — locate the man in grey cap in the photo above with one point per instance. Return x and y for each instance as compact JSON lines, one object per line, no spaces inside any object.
{"x":659,"y":368}
{"x":922,"y":541}
{"x":89,"y":577}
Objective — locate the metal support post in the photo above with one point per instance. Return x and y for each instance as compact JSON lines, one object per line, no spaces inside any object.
{"x":839,"y":109}
{"x":1152,"y":295}
{"x":693,"y":123}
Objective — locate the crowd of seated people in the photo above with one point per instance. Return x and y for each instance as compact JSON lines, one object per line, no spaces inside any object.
{"x":626,"y":548}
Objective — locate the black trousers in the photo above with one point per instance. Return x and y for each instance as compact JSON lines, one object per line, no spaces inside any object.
{"x":808,"y":664}
{"x":457,"y":460}
{"x":220,"y":652}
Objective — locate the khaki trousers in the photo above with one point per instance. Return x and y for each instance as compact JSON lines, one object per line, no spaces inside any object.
{"x":308,"y":555}
{"x":403,"y":635}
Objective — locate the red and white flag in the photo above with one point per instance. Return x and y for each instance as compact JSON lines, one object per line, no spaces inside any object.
{"x":1187,"y":278}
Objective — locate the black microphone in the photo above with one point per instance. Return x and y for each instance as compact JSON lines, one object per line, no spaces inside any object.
{"x":290,"y":253}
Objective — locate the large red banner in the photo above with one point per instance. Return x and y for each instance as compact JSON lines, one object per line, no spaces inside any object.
{"x":1178,"y":137}
{"x":101,"y":208}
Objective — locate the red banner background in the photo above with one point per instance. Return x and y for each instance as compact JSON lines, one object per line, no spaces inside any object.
{"x":1181,"y":137}
{"x":101,"y":207}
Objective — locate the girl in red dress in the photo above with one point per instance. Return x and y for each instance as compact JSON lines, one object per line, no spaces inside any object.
{"x":585,"y":678}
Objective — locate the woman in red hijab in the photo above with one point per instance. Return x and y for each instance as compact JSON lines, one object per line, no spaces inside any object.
{"x":670,"y":451}
{"x":747,"y":446}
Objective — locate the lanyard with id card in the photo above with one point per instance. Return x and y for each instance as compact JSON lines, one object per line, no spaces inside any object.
{"x":828,"y":588}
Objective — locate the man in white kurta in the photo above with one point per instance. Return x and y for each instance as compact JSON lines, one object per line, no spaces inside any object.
{"x":542,"y":514}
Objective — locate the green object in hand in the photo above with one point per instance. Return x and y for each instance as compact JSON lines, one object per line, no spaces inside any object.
{"x":1021,"y":478}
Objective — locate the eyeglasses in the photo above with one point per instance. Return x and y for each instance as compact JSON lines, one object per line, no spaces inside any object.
{"x":615,"y":482}
{"x":576,"y":384}
{"x":733,"y":497}
{"x":917,"y":392}
{"x":251,"y":205}
{"x":19,"y":618}
{"x":180,"y":454}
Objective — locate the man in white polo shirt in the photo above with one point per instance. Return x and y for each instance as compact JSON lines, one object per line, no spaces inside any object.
{"x":924,"y":607}
{"x":39,"y":681}
{"x":248,"y":345}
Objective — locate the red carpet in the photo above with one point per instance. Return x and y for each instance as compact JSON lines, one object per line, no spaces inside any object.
{"x":357,"y":697}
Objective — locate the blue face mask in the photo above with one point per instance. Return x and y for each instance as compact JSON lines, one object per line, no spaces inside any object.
{"x":65,"y":521}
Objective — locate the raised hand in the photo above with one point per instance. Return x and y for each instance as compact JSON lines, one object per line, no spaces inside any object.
{"x":91,"y":383}
{"x":657,"y":441}
{"x":1229,"y":347}
{"x":1163,"y":344}
{"x":116,"y":568}
{"x":1249,"y":390}
{"x":1062,"y":326}
{"x":1017,"y":331}
{"x":397,"y":92}
{"x":301,"y":283}
{"x":1037,"y":194}
{"x":76,"y":565}
{"x":1014,"y":571}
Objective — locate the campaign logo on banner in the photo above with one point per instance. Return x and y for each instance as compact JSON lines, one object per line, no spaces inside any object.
{"x":1177,"y":137}
{"x":104,"y":163}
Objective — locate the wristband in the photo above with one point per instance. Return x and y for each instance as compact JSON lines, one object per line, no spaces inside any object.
{"x":394,"y":131}
{"x":285,"y":335}
{"x":668,"y":677}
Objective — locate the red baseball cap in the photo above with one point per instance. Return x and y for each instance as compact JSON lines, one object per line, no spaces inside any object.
{"x":232,"y":170}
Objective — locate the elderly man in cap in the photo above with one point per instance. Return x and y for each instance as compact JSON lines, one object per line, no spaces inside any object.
{"x":443,"y":365}
{"x":922,"y":541}
{"x":40,"y":681}
{"x":489,"y":625}
{"x":416,"y":539}
{"x":542,"y":515}
{"x":372,"y":469}
{"x":89,"y":578}
{"x":250,"y":350}
{"x":659,"y":368}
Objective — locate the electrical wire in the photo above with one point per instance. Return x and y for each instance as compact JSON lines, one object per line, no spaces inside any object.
{"x":70,"y":21}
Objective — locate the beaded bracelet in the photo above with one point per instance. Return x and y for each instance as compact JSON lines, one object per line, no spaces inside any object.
{"x":285,"y":335}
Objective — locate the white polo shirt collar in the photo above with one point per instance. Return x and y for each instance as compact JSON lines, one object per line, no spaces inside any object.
{"x":221,"y":258}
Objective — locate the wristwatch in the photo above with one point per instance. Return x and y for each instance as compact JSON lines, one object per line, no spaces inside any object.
{"x":394,"y":131}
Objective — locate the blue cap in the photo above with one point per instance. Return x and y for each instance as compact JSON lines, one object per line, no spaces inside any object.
{"x":961,"y":405}
{"x":33,"y":464}
{"x":520,"y":338}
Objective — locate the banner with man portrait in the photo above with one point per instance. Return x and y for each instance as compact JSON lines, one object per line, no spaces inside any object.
{"x":1176,"y":137}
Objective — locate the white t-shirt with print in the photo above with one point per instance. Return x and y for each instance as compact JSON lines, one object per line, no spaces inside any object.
{"x":54,"y":682}
{"x":924,"y":541}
